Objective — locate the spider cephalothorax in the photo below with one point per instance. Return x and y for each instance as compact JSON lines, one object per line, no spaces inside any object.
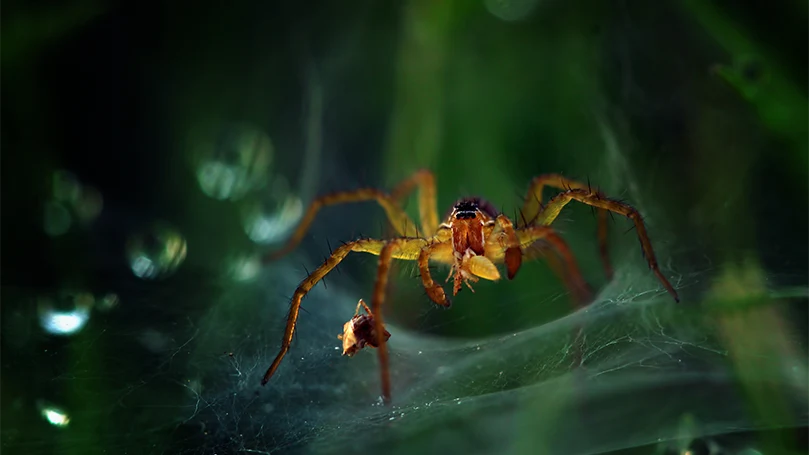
{"x":471,"y":241}
{"x":471,"y":222}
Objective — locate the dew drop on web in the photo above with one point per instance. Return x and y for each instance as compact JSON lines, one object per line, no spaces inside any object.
{"x":66,"y":186}
{"x":89,"y":205}
{"x":53,"y":414}
{"x":233,"y":163}
{"x":70,"y":201}
{"x":243,"y":267}
{"x":156,"y":252}
{"x":272,"y":214}
{"x":56,"y":218}
{"x":108,"y":302}
{"x":65,"y":313}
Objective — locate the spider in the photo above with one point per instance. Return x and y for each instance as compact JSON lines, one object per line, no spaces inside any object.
{"x":472,"y":239}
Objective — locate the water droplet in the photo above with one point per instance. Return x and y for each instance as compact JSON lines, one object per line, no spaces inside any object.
{"x":66,"y":187}
{"x":234,"y":163}
{"x":272,"y":215}
{"x":89,"y":204}
{"x":57,"y":219}
{"x":53,"y":414}
{"x":244,"y":267}
{"x":66,"y":313}
{"x":157,"y":252}
{"x":108,"y":302}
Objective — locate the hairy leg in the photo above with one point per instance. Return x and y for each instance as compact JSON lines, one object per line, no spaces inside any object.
{"x":434,"y":290}
{"x":574,"y":282}
{"x":408,"y":249}
{"x":397,"y":217}
{"x":385,"y":257}
{"x":572,"y":275}
{"x":555,"y":205}
{"x":428,"y":211}
{"x":532,"y":207}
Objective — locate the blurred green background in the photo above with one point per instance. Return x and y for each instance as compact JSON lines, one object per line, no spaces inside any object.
{"x":153,"y":152}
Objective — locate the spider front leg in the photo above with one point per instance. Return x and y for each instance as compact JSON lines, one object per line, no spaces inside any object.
{"x":433,"y":289}
{"x":532,"y":206}
{"x":396,"y":216}
{"x":555,"y":205}
{"x":470,"y":268}
{"x":408,"y":249}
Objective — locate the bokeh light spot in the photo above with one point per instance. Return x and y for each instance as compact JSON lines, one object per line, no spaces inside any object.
{"x":108,"y":302}
{"x":234,"y":163}
{"x":53,"y":414}
{"x":156,"y":252}
{"x":67,"y":315}
{"x":57,"y":219}
{"x":66,"y":187}
{"x":89,"y":204}
{"x":244,"y":267}
{"x":272,"y":216}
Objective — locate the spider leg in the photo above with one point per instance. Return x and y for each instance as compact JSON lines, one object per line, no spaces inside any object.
{"x":408,"y":249}
{"x":428,"y":210}
{"x":397,"y":217}
{"x":434,"y":290}
{"x":532,"y":207}
{"x":555,"y":205}
{"x":544,"y":242}
{"x":378,"y":299}
{"x":513,"y":257}
{"x":362,"y":303}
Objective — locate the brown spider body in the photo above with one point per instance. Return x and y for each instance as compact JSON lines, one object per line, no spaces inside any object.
{"x":472,"y":223}
{"x":471,"y":241}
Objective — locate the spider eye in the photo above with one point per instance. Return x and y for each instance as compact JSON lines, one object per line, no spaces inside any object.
{"x":466,"y":209}
{"x":465,"y":214}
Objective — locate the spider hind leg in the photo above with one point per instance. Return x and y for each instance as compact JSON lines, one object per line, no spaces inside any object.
{"x":555,"y":205}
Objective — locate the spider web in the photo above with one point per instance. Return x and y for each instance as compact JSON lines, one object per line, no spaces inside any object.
{"x":619,"y":373}
{"x":623,"y":372}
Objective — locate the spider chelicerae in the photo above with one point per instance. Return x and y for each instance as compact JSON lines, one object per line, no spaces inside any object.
{"x":471,"y":240}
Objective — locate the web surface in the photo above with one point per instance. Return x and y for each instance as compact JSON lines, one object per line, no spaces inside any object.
{"x":619,"y":373}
